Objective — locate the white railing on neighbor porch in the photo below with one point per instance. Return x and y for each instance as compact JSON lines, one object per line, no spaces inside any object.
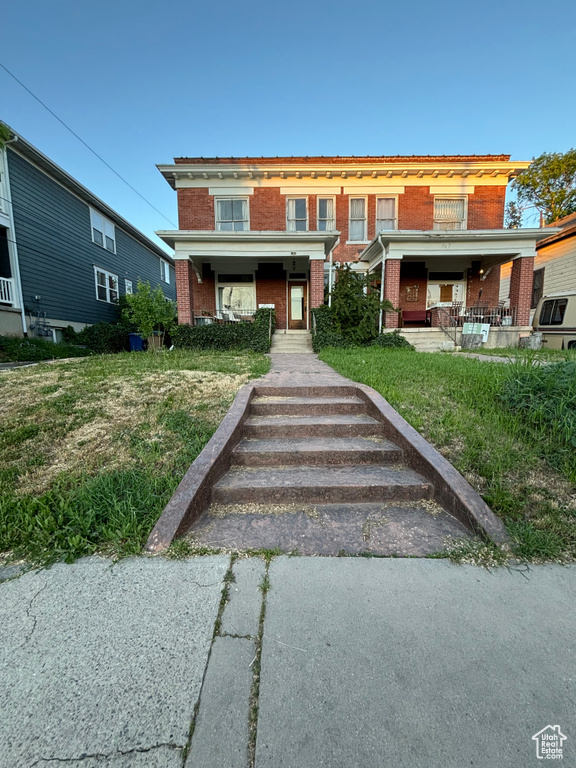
{"x":6,"y":290}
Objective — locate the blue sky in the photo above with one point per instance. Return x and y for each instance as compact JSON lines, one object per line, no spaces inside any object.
{"x":143,"y":82}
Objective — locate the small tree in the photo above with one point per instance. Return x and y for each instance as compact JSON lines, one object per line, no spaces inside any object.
{"x":549,"y":184}
{"x":356,"y":305}
{"x":150,"y":311}
{"x":513,"y":215}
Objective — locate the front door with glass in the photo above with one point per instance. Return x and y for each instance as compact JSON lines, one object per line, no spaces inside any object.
{"x":297,"y":306}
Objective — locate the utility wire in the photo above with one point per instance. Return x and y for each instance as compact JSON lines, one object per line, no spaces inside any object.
{"x":86,"y":145}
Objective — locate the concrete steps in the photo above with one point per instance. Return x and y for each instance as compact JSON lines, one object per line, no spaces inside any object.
{"x":291,"y":342}
{"x":315,"y":451}
{"x":336,"y":425}
{"x":306,"y":406}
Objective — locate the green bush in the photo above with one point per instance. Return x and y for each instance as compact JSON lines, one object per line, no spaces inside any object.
{"x":149,"y":311}
{"x":356,"y":306}
{"x":253,"y":336}
{"x":15,"y":349}
{"x":392,"y":340}
{"x":105,"y":338}
{"x":325,"y":333}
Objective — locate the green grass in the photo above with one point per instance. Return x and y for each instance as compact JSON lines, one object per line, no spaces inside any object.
{"x":15,"y":349}
{"x":92,"y":450}
{"x":507,"y":428}
{"x":544,"y":355}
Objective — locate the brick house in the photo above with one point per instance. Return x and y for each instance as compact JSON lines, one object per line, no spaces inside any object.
{"x":267,"y":231}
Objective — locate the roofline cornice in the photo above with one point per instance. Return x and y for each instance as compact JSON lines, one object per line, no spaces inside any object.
{"x":506,"y":169}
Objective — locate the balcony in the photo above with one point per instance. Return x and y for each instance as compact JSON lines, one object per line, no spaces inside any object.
{"x":7,"y":291}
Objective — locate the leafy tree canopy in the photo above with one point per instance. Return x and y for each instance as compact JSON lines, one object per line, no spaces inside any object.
{"x":513,"y":215}
{"x":549,"y":184}
{"x":149,"y":310}
{"x":5,"y":135}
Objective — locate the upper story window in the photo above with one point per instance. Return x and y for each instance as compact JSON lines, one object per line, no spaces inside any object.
{"x":128,"y":288}
{"x":449,"y":213}
{"x":165,"y":271}
{"x":103,"y":231}
{"x":357,"y":230}
{"x":326,"y":214}
{"x":385,"y":213}
{"x":106,"y":286}
{"x":297,"y":214}
{"x":232,"y":214}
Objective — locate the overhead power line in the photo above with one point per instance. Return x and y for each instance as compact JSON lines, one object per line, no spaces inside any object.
{"x":81,"y":140}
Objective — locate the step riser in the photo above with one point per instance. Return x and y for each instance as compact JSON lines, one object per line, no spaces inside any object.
{"x":305,"y":391}
{"x":312,"y":430}
{"x":316,"y":458}
{"x":315,"y":495}
{"x":306,"y":409}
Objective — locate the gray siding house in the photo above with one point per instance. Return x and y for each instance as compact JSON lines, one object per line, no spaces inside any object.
{"x":65,"y":256}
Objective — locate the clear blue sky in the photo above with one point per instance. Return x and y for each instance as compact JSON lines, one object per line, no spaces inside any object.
{"x":143,"y":82}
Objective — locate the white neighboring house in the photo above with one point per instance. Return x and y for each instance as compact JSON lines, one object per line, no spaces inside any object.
{"x":554,"y":265}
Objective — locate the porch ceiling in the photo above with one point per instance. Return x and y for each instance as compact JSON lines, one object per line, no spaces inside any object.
{"x":490,"y":245}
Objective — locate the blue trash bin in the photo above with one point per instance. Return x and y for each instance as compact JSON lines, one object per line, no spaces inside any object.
{"x":136,"y":342}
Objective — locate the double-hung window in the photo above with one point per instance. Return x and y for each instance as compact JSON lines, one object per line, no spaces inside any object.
{"x":106,"y":286}
{"x":326,"y":214}
{"x":385,"y":213}
{"x":128,"y":288}
{"x":297,"y":214}
{"x":164,"y":271}
{"x":449,"y":213}
{"x":103,"y":232}
{"x":232,"y":214}
{"x":357,"y":231}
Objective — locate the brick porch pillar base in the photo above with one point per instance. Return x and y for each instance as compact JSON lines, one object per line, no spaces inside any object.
{"x":184,"y":291}
{"x":316,"y":283}
{"x":521,"y":281}
{"x":392,"y":290}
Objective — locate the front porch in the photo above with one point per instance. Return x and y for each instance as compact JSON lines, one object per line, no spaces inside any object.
{"x":225,"y":277}
{"x":448,"y":278}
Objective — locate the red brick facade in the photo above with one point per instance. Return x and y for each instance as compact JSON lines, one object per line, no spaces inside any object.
{"x":185,"y":279}
{"x":521,"y":288}
{"x":273,"y":291}
{"x":392,"y":290}
{"x":483,"y":292}
{"x":316,"y":283}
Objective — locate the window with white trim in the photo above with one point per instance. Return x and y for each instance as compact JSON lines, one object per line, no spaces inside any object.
{"x":297,"y":214}
{"x":106,"y":286}
{"x":449,"y":213}
{"x":357,"y":228}
{"x":164,"y":271}
{"x":385,"y":213}
{"x":128,"y":288}
{"x":232,"y":214}
{"x":103,"y":231}
{"x":326,"y":214}
{"x":236,"y":292}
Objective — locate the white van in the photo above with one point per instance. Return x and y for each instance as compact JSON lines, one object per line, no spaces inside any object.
{"x":555,"y":319}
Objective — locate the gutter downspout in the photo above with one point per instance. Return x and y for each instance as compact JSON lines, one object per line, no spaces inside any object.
{"x":16,"y":261}
{"x":383,"y":272}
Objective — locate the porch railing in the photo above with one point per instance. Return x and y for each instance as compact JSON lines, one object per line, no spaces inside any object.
{"x":223,"y":316}
{"x":6,"y":290}
{"x":449,"y":317}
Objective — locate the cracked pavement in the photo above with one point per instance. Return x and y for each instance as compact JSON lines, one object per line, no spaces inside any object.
{"x":341,"y":662}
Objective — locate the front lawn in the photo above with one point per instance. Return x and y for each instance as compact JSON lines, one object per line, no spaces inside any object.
{"x":509,"y":429}
{"x":542,"y":355}
{"x":92,"y":449}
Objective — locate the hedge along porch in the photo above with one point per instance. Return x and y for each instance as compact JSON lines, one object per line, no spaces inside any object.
{"x":226,"y":276}
{"x":429,"y":272}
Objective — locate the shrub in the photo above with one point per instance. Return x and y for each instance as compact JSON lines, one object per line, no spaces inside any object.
{"x":392,"y":340}
{"x":325,"y":333}
{"x":104,"y":338}
{"x":15,"y":349}
{"x":253,"y":336}
{"x":356,"y":306}
{"x":149,"y":311}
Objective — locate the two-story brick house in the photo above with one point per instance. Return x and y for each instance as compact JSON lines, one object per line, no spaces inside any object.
{"x":261,"y":230}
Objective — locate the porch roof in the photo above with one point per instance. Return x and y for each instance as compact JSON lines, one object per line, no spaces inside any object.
{"x":469,"y":242}
{"x":195,"y":241}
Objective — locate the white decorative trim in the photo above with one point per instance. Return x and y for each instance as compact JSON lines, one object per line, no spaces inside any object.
{"x":312,"y":190}
{"x":376,"y":190}
{"x":451,"y":190}
{"x":230,"y":191}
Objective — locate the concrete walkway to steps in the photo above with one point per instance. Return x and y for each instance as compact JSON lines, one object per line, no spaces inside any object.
{"x":331,"y":513}
{"x":373,"y":663}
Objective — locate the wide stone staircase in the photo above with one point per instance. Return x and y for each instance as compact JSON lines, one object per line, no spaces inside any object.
{"x":313,"y":472}
{"x":291,"y":342}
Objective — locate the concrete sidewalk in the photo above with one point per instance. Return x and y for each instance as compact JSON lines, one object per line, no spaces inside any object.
{"x":363,"y":662}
